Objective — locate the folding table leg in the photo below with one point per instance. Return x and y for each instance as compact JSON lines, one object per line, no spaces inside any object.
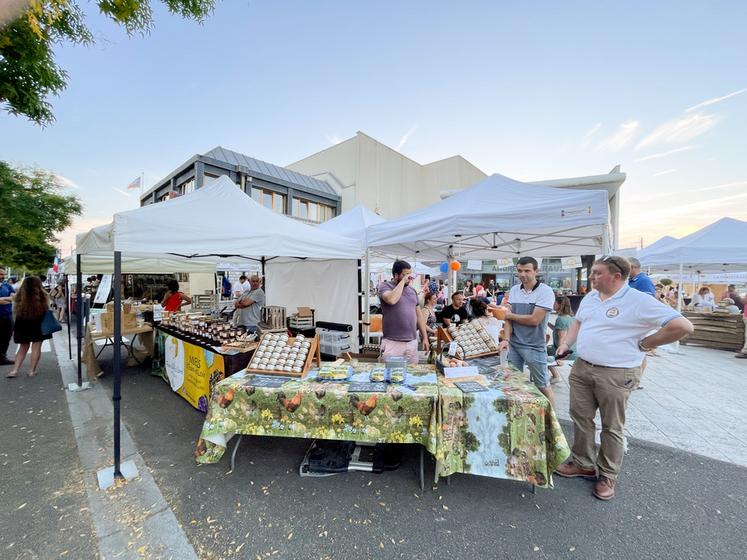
{"x":235,"y":449}
{"x":422,"y":468}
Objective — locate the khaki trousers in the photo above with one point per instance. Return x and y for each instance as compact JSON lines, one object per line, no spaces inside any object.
{"x":607,"y":389}
{"x":744,"y":348}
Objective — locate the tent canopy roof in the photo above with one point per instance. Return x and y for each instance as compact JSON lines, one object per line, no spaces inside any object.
{"x":353,"y":223}
{"x":499,"y":217}
{"x":217,"y":219}
{"x":717,"y":247}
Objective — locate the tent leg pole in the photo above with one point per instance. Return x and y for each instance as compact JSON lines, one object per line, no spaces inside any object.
{"x":367,"y":300}
{"x":117,"y":364}
{"x":67,"y":315}
{"x":79,"y":315}
{"x":360,"y":304}
{"x":679,"y":305}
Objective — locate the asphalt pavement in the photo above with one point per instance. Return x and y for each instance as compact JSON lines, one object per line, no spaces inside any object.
{"x":670,"y":504}
{"x":44,"y":510}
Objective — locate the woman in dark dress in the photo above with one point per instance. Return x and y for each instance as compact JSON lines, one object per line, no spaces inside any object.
{"x":31,"y":304}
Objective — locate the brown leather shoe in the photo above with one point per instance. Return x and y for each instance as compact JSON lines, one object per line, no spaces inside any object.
{"x":604,"y":489}
{"x":571,"y":470}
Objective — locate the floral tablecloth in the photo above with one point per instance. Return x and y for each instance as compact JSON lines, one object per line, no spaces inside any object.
{"x":310,"y":408}
{"x":509,"y":431}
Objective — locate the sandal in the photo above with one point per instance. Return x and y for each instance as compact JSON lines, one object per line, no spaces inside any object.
{"x":12,"y":375}
{"x":32,"y":374}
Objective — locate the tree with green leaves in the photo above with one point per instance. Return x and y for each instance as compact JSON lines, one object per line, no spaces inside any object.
{"x":29,"y":75}
{"x":32,"y":211}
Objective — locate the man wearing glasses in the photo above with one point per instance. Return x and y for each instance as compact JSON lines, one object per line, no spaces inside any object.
{"x":611,"y":336}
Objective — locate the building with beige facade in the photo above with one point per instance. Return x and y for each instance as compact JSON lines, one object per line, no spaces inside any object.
{"x":364,"y":171}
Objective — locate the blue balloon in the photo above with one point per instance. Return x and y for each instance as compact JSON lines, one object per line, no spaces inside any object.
{"x":444,"y":267}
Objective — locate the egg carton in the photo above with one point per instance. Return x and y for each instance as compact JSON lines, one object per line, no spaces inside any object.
{"x":279,"y":354}
{"x":473,"y":339}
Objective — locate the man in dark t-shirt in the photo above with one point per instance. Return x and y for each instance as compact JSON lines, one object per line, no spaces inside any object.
{"x":401,"y":320}
{"x":456,"y":312}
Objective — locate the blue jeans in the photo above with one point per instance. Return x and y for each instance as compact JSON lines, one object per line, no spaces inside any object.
{"x":535,"y":359}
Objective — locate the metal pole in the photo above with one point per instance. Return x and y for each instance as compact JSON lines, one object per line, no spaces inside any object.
{"x":79,"y":315}
{"x":264,"y":284}
{"x":366,"y":299}
{"x":360,"y":304}
{"x":67,"y":315}
{"x":117,"y":396}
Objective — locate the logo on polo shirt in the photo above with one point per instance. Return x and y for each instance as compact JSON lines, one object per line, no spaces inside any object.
{"x":613,"y":312}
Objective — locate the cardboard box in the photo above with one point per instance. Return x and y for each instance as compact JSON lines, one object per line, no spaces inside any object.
{"x":127,"y":307}
{"x":129,"y":321}
{"x":110,"y":306}
{"x":305,"y":312}
{"x":107,"y":321}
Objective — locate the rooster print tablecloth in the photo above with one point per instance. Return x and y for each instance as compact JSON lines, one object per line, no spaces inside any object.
{"x":509,"y":431}
{"x":313,"y":409}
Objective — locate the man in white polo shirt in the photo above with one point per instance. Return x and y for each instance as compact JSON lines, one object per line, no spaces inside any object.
{"x":611,"y":336}
{"x":526,"y":320}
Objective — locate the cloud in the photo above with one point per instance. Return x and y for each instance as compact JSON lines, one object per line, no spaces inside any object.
{"x":625,"y":133}
{"x":715,"y":100}
{"x":589,"y":133}
{"x":66,"y":183}
{"x":123,"y":193}
{"x":406,"y":137}
{"x":681,"y":129}
{"x":332,"y":139}
{"x":665,"y":172}
{"x":668,"y":153}
{"x":722,"y":186}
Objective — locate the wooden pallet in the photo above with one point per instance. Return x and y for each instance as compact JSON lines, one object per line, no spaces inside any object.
{"x":314,"y":353}
{"x":716,"y":330}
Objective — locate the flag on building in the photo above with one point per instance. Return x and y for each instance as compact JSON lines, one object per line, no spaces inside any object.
{"x":56,"y":265}
{"x":135,"y":184}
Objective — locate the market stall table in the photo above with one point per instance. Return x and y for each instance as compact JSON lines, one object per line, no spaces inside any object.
{"x":192,"y":367}
{"x":136,"y":355}
{"x":313,"y":409}
{"x":508,"y":431}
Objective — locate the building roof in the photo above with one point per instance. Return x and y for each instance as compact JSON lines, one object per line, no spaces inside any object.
{"x":268,"y":169}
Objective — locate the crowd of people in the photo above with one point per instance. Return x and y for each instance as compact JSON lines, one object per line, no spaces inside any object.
{"x":617,"y":323}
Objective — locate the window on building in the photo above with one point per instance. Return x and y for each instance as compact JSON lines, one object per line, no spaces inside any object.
{"x":312,"y":211}
{"x":269,"y":199}
{"x":208,"y":178}
{"x":186,"y":188}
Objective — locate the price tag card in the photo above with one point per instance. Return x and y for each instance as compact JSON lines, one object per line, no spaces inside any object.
{"x":269,"y":382}
{"x":453,"y":348}
{"x":470,"y":387}
{"x":363,"y":387}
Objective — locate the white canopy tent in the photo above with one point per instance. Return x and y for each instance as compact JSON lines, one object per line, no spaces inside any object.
{"x":718,"y":247}
{"x":218,"y":220}
{"x":354,"y":223}
{"x":500,"y":217}
{"x":657,"y":245}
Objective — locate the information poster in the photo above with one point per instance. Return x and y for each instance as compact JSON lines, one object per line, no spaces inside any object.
{"x":191,"y":370}
{"x":102,"y":293}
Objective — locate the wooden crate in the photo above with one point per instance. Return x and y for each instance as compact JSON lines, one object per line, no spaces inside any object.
{"x":314,"y":352}
{"x":716,"y":330}
{"x":273,"y":317}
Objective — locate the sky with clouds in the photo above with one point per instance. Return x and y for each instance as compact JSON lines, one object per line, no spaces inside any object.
{"x":539,"y":90}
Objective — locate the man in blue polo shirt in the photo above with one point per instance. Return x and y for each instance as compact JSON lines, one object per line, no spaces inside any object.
{"x":6,"y":317}
{"x":640,"y":280}
{"x":526,"y":321}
